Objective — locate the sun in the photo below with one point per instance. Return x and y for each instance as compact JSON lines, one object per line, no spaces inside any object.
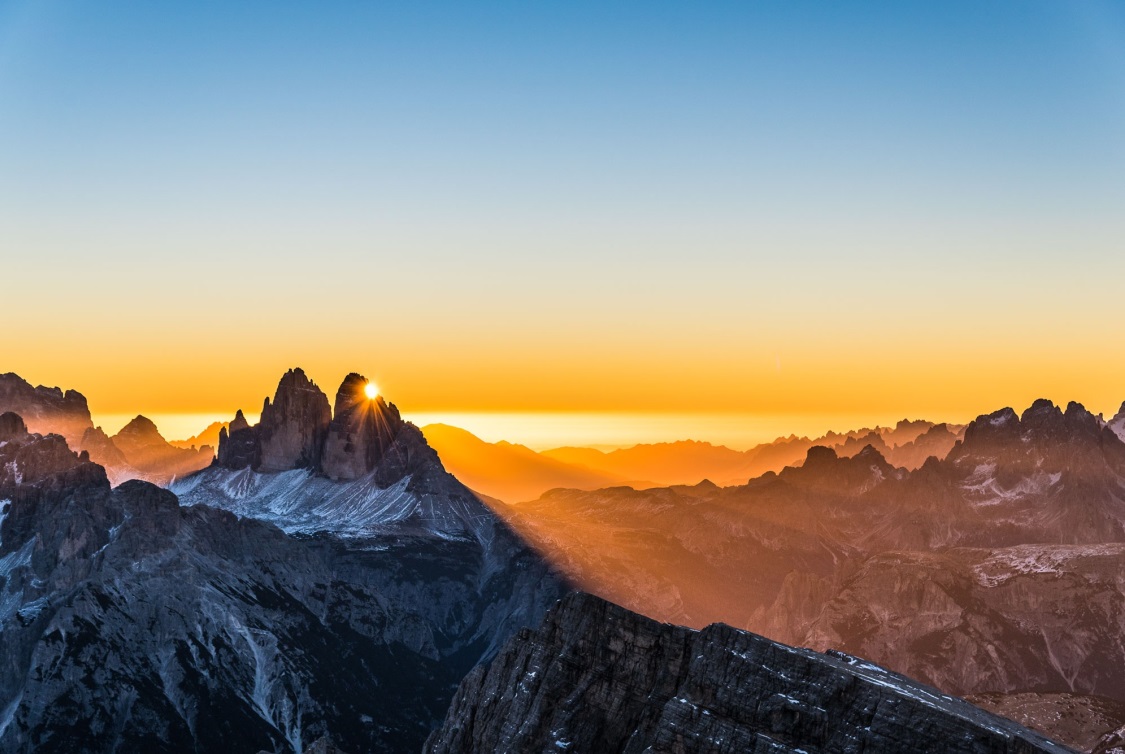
{"x":371,"y":390}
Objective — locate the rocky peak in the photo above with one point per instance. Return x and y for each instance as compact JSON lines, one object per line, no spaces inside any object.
{"x":239,"y":447}
{"x":105,"y":453}
{"x":1045,"y":437}
{"x":295,"y":425}
{"x":45,"y":409}
{"x":239,"y":423}
{"x":298,"y":430}
{"x":1117,"y":423}
{"x":824,"y":470}
{"x":34,"y":467}
{"x":361,"y":432}
{"x":153,"y":458}
{"x":141,"y":431}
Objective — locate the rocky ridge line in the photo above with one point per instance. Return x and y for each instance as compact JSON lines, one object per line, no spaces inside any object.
{"x":598,"y":678}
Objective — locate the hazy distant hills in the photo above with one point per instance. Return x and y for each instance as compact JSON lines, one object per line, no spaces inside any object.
{"x":138,"y":451}
{"x":209,"y":437}
{"x":515,"y":473}
{"x":994,"y":569}
{"x":505,"y":470}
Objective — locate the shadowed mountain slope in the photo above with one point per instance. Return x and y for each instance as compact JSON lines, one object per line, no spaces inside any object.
{"x":131,"y":622}
{"x":597,"y":678}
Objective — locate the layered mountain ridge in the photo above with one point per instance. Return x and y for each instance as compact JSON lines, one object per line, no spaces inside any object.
{"x":358,"y":581}
{"x":138,"y":451}
{"x":514,"y":473}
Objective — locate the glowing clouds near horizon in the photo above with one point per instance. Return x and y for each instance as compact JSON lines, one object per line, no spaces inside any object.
{"x":371,"y":390}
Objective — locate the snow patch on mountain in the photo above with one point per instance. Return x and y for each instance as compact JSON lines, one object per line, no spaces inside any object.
{"x":1025,"y":560}
{"x":982,"y":488}
{"x":300,"y":502}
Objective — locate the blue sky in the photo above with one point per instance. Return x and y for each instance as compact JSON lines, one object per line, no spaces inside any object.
{"x":664,"y":177}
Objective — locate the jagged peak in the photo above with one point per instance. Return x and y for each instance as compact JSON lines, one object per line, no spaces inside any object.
{"x":1043,"y":407}
{"x":1076,"y":409}
{"x":239,"y":423}
{"x":140,"y":427}
{"x":819,"y":454}
{"x":296,"y":377}
{"x":870,"y":453}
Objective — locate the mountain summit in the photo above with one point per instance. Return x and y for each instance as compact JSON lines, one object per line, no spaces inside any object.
{"x":299,"y":431}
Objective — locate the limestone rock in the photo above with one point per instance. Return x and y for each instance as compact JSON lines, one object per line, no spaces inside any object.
{"x":239,"y":446}
{"x":131,"y":623}
{"x":294,"y":427}
{"x":46,"y":410}
{"x":362,"y":431}
{"x":597,"y":678}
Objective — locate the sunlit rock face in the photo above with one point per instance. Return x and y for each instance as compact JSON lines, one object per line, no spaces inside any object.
{"x":361,"y":432}
{"x":152,"y":458}
{"x":595,"y":678}
{"x":294,"y":427}
{"x":996,"y":569}
{"x":46,"y":409}
{"x":107,"y":455}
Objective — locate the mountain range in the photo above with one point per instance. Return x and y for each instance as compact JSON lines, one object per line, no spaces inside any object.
{"x":138,"y":451}
{"x":995,"y":570}
{"x":325,"y":577}
{"x":515,"y":473}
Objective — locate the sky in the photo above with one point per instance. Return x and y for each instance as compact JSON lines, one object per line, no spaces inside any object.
{"x":820,"y":211}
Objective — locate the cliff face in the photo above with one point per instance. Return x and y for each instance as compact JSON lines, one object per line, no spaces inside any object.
{"x":299,"y":431}
{"x":361,"y":433}
{"x":293,"y":428}
{"x":996,"y":569}
{"x":46,"y":410}
{"x":597,"y":678}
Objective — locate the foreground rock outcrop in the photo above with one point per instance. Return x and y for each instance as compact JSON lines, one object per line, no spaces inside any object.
{"x":130,"y":622}
{"x":597,"y":678}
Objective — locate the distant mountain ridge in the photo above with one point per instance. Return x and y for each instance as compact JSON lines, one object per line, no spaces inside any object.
{"x":138,"y":451}
{"x":514,"y":473}
{"x":993,"y":570}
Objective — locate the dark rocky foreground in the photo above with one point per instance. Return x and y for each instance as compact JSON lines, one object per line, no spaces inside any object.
{"x":130,"y":622}
{"x":598,"y":678}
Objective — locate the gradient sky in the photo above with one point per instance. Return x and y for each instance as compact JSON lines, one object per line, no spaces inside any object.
{"x":776,"y":208}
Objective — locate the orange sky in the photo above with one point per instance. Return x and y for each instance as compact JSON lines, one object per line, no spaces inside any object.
{"x":742,"y":210}
{"x":838,"y":380}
